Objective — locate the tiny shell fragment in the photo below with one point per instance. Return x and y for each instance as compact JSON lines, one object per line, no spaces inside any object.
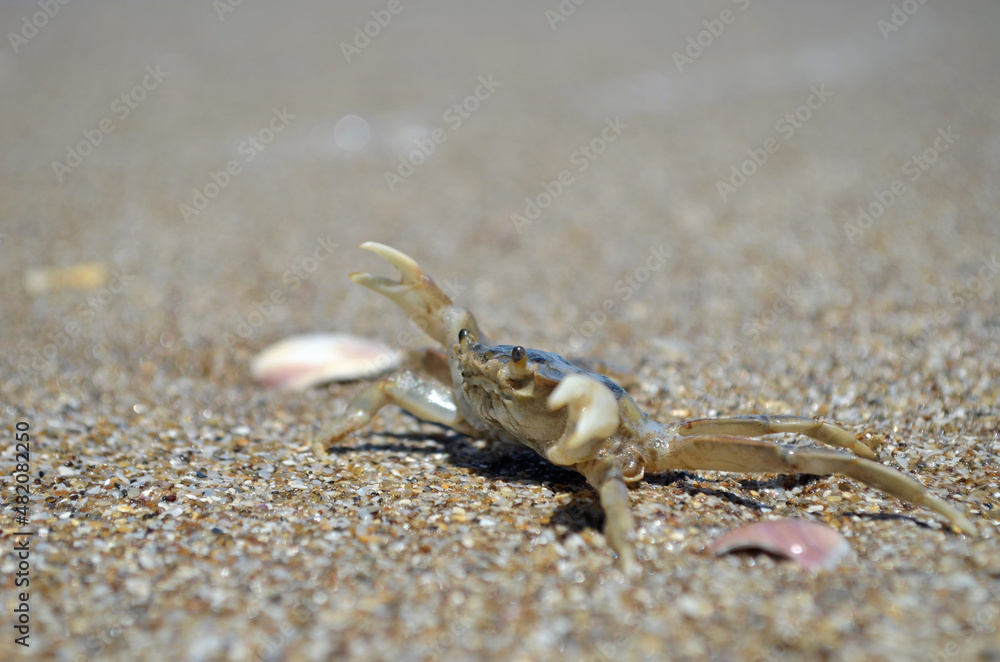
{"x":299,"y":362}
{"x":810,"y":544}
{"x":83,"y":276}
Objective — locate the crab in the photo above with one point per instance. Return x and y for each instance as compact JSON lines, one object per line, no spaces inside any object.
{"x":584,"y":421}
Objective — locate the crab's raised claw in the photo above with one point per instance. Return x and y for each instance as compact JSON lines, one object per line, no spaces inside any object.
{"x":593,"y":417}
{"x":416,"y":293}
{"x":410,"y":272}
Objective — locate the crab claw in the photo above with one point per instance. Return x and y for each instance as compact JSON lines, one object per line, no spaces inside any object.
{"x":593,"y":417}
{"x":410,"y":271}
{"x":416,"y":293}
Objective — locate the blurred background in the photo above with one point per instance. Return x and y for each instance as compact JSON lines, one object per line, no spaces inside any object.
{"x":694,"y":107}
{"x":791,"y":206}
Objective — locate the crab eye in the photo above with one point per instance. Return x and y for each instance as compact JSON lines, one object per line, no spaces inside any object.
{"x":517,"y":367}
{"x":463,"y":335}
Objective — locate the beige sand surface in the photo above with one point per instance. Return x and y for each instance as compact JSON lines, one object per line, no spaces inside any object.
{"x":174,"y":517}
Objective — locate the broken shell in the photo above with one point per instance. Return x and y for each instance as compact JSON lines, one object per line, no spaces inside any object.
{"x":299,"y":362}
{"x":810,"y":544}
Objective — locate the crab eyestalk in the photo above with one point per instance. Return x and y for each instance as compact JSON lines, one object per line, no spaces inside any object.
{"x":517,"y":367}
{"x":465,"y":338}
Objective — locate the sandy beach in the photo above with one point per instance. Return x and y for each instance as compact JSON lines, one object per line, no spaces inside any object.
{"x":791,"y":206}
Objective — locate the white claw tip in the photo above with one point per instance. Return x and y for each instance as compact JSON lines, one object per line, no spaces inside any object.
{"x":406,"y":265}
{"x":591,"y":400}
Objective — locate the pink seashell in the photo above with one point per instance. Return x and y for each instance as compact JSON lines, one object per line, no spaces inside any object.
{"x":810,"y":544}
{"x":299,"y":362}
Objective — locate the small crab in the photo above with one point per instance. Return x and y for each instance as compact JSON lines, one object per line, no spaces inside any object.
{"x":584,"y":421}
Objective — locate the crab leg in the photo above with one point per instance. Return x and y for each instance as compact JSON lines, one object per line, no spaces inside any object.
{"x":416,"y":293}
{"x":424,"y":399}
{"x":749,"y":455}
{"x":593,"y":417}
{"x":755,"y":426}
{"x":619,"y":526}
